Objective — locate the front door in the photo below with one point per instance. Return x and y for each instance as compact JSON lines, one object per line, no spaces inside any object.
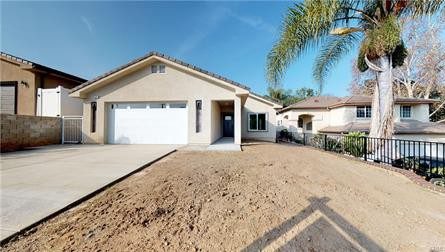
{"x":228,"y":124}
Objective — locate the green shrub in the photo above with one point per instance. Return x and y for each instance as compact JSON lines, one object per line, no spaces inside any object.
{"x":353,"y":144}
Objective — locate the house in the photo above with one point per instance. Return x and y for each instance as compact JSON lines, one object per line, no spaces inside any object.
{"x":329,"y":114}
{"x":20,"y":80}
{"x":157,"y":99}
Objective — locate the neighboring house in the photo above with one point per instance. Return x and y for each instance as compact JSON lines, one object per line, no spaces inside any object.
{"x":20,"y":80}
{"x":157,"y":99}
{"x":329,"y":114}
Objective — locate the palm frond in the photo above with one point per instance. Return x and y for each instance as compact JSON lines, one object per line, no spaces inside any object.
{"x":333,"y":50}
{"x":305,"y":26}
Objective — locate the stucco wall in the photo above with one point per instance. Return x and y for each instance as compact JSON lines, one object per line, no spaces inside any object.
{"x":320,"y":118}
{"x":173,"y":85}
{"x":422,"y":137}
{"x":256,"y":106}
{"x":216,"y":127}
{"x":21,"y":131}
{"x":26,"y":91}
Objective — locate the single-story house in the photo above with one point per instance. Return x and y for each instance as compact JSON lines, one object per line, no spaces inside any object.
{"x":334,"y":115}
{"x":157,"y":99}
{"x":21,"y":80}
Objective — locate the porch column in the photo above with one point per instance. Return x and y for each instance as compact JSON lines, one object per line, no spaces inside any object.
{"x":237,"y":117}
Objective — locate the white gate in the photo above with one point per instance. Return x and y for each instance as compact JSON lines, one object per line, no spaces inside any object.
{"x":71,"y":129}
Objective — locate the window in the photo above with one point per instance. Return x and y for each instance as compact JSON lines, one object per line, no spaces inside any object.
{"x":198,"y":115}
{"x":309,"y":126}
{"x":157,"y":105}
{"x":159,"y":68}
{"x":93,"y":116}
{"x":364,"y":112}
{"x":405,"y":111}
{"x":300,"y":122}
{"x":177,"y":105}
{"x":257,"y":122}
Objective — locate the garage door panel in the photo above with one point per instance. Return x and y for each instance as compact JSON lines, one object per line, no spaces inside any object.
{"x":139,"y":124}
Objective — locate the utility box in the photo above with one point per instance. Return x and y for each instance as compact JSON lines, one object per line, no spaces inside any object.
{"x":56,"y":102}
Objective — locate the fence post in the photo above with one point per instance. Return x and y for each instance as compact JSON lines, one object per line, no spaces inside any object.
{"x":304,"y":138}
{"x":325,"y":142}
{"x":365,"y":148}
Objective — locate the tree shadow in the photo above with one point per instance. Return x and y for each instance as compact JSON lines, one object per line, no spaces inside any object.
{"x":330,"y":231}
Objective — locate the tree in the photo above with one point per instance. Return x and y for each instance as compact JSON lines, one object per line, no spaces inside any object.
{"x":422,"y":74}
{"x":288,"y":97}
{"x":339,"y":25}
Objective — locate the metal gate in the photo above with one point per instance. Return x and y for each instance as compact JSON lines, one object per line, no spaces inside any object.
{"x":71,"y":129}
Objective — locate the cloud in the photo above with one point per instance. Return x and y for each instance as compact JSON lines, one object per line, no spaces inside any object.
{"x":87,"y":23}
{"x":213,"y":18}
{"x":254,"y":22}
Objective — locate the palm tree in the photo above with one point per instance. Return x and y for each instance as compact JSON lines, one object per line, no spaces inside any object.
{"x":339,"y":25}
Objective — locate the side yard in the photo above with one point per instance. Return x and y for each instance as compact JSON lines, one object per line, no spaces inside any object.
{"x":269,"y":197}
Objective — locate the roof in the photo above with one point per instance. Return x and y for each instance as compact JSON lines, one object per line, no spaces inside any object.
{"x":190,"y":66}
{"x":315,"y":102}
{"x":328,"y":102}
{"x":367,"y":100}
{"x":402,"y":127}
{"x":40,"y":67}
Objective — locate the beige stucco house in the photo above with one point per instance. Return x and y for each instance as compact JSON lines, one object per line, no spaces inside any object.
{"x":157,"y":99}
{"x":329,"y":114}
{"x":20,"y":80}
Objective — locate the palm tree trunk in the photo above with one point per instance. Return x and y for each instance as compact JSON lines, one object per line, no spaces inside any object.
{"x":382,"y":115}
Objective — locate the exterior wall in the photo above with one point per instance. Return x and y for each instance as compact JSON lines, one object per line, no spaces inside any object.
{"x":216,"y":127}
{"x":320,"y":118}
{"x":253,"y":105}
{"x":26,"y":95}
{"x":143,"y":86}
{"x":20,"y":131}
{"x":421,"y":112}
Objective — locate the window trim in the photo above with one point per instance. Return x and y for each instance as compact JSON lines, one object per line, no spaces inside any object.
{"x":365,"y":117}
{"x":410,"y":111}
{"x":257,"y":113}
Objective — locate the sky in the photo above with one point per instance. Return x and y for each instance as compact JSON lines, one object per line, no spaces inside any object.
{"x":228,"y":38}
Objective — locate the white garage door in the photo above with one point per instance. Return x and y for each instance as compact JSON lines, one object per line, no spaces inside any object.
{"x":147,"y":123}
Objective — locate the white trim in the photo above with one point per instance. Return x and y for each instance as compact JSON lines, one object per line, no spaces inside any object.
{"x":257,"y":113}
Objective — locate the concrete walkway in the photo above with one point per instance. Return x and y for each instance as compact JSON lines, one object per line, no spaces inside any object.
{"x":36,"y":183}
{"x":224,"y":144}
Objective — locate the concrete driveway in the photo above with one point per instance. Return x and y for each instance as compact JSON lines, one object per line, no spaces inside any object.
{"x":36,"y":183}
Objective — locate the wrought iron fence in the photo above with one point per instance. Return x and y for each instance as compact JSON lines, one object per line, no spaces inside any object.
{"x":71,"y":129}
{"x":423,"y":157}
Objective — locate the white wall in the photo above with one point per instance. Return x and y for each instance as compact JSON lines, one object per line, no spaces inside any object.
{"x":56,"y":102}
{"x":255,"y":105}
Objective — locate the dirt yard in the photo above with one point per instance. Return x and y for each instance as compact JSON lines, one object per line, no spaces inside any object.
{"x":267,"y":197}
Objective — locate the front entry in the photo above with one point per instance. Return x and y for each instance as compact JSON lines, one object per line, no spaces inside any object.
{"x":228,"y":125}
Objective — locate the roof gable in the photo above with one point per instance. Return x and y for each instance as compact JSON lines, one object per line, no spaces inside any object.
{"x":163,"y":58}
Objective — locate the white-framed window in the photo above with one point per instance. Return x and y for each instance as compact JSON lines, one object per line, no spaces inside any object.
{"x":157,"y":68}
{"x":363,"y":111}
{"x":405,"y":111}
{"x":309,"y":126}
{"x":257,"y":122}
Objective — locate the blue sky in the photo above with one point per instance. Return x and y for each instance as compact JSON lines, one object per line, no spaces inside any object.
{"x":90,"y":38}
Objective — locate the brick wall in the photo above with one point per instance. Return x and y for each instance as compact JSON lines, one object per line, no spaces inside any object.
{"x":21,"y":131}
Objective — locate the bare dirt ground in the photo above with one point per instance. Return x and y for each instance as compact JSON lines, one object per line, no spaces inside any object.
{"x":268,"y":197}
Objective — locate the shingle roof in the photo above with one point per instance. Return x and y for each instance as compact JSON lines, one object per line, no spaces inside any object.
{"x":41,"y":67}
{"x":403,"y":127}
{"x":367,"y":100}
{"x":327,"y":102}
{"x":164,"y":57}
{"x":314,"y":102}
